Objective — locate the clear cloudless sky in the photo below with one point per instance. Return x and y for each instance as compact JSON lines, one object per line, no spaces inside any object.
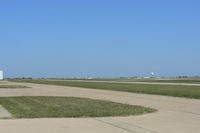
{"x":99,"y":38}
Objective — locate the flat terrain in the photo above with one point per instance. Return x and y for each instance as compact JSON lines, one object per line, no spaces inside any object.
{"x":156,"y":80}
{"x":188,"y":91}
{"x":60,"y":107}
{"x":175,"y":115}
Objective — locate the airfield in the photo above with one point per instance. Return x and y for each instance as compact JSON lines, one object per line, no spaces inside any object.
{"x":175,"y":113}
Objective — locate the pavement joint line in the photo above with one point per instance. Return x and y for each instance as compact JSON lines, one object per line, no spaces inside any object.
{"x":115,"y":126}
{"x":140,"y":127}
{"x":125,"y":126}
{"x":187,"y":112}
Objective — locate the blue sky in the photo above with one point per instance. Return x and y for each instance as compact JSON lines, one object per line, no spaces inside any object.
{"x":99,"y":38}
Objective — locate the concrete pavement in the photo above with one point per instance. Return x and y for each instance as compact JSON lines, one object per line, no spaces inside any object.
{"x":4,"y":113}
{"x":175,"y":115}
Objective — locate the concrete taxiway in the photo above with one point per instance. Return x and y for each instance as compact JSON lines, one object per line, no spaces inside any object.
{"x":175,"y":115}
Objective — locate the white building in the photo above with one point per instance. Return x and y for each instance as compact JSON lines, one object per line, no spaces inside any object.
{"x":1,"y":75}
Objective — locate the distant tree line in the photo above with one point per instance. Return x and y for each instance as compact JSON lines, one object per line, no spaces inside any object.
{"x":188,"y":77}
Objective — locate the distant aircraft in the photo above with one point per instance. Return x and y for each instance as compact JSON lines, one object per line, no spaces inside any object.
{"x":152,"y":74}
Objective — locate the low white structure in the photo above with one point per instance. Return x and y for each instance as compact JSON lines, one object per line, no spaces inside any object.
{"x":1,"y":75}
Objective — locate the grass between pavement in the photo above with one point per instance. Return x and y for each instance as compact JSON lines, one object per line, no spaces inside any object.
{"x":58,"y":107}
{"x":168,"y":90}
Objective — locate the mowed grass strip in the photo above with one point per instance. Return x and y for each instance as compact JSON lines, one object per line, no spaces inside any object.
{"x":13,"y":86}
{"x":45,"y":107}
{"x":172,"y":80}
{"x":168,"y":90}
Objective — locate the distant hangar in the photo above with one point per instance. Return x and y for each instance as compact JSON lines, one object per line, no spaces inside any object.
{"x":1,"y":75}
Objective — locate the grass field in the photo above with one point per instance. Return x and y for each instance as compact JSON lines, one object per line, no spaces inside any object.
{"x":13,"y":86}
{"x":168,"y":90}
{"x":172,"y":80}
{"x":45,"y":107}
